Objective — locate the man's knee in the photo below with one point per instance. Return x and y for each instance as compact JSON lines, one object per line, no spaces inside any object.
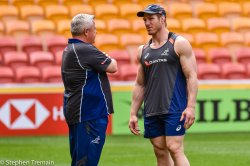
{"x":175,"y":147}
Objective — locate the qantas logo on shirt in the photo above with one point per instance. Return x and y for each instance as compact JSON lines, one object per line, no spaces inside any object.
{"x":148,"y":63}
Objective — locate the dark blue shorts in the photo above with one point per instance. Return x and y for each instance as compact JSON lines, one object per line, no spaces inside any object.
{"x":86,"y":141}
{"x":163,"y":125}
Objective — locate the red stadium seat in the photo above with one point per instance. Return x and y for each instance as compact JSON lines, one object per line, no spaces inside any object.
{"x":7,"y":43}
{"x":15,"y":59}
{"x":55,"y":43}
{"x":200,"y":55}
{"x":233,"y":71}
{"x":28,"y":74}
{"x":41,"y":59}
{"x":6,"y":75}
{"x":128,"y":72}
{"x":51,"y":74}
{"x":208,"y":71}
{"x":58,"y":57}
{"x":243,"y":55}
{"x":31,"y":44}
{"x":219,"y":55}
{"x":248,"y":70}
{"x":121,"y":56}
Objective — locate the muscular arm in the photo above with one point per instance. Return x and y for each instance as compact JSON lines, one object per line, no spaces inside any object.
{"x":189,"y":67}
{"x":137,"y":97}
{"x":112,"y":67}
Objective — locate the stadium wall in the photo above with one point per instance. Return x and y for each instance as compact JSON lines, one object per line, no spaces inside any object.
{"x":36,"y":109}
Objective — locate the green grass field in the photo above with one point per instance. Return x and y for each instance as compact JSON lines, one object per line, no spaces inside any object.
{"x":227,"y":149}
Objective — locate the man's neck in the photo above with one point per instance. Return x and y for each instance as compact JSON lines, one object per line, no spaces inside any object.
{"x":82,"y":38}
{"x":161,"y":37}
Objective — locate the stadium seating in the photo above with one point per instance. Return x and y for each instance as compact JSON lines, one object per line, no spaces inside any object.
{"x":129,"y":10}
{"x":247,"y":39}
{"x":219,"y":55}
{"x":8,"y":12}
{"x":1,"y":28}
{"x":107,"y":42}
{"x":138,"y":26}
{"x":106,"y":11}
{"x":131,"y":40}
{"x":45,"y":3}
{"x":209,"y":71}
{"x":193,"y":25}
{"x":43,"y":27}
{"x":101,"y":26}
{"x":51,"y":74}
{"x":232,"y":40}
{"x":58,"y":57}
{"x":28,"y":74}
{"x":17,"y":28}
{"x":56,"y":12}
{"x":233,"y":71}
{"x":200,"y":55}
{"x":20,"y":3}
{"x":55,"y":43}
{"x":206,"y":40}
{"x":206,"y":10}
{"x":246,"y":9}
{"x":241,"y":24}
{"x":15,"y":59}
{"x":243,"y":55}
{"x":72,"y":2}
{"x":218,"y":25}
{"x":121,"y":2}
{"x":30,"y":44}
{"x":128,"y":72}
{"x":118,"y":26}
{"x":174,"y":25}
{"x":41,"y":59}
{"x":63,"y":27}
{"x":180,"y":10}
{"x":6,"y":75}
{"x":76,"y":9}
{"x":4,"y":2}
{"x":229,"y":9}
{"x":31,"y":12}
{"x":7,"y":43}
{"x":121,"y":56}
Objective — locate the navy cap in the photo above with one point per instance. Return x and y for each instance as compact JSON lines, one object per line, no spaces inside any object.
{"x":152,"y":9}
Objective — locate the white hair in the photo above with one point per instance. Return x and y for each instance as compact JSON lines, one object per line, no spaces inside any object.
{"x":81,"y":22}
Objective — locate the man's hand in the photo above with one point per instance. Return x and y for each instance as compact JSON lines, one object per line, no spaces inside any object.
{"x":189,"y":115}
{"x":133,"y":125}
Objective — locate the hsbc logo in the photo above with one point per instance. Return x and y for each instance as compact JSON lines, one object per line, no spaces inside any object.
{"x":23,"y":114}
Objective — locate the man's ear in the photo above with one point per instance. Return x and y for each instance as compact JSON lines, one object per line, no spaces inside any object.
{"x":85,"y":32}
